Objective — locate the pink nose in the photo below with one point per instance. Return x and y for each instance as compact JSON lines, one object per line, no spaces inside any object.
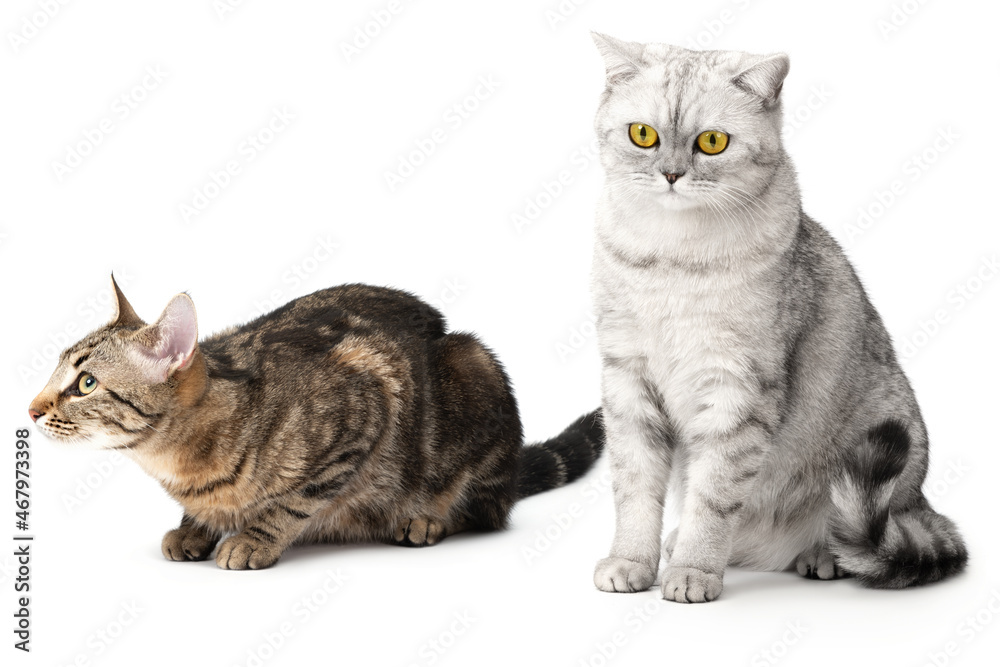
{"x":34,"y":414}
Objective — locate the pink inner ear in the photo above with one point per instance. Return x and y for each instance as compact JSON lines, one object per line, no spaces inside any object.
{"x":178,"y":333}
{"x":175,"y":335}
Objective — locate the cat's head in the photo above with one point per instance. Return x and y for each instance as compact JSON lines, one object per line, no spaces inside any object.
{"x":111,"y":389}
{"x":686,"y":129}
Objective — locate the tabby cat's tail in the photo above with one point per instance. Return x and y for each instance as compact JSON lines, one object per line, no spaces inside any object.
{"x":564,"y":458}
{"x":884,"y":543}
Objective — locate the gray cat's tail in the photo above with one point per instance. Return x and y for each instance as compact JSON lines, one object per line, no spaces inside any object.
{"x":883,"y":544}
{"x":564,"y":458}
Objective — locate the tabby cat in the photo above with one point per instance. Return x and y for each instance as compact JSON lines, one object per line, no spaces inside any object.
{"x":345,"y":415}
{"x":742,"y":359}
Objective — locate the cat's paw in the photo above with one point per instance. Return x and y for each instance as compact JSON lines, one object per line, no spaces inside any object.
{"x":187,"y":544}
{"x":621,"y":575}
{"x":419,"y":532}
{"x":818,"y":563}
{"x":246,"y":552}
{"x":687,"y":584}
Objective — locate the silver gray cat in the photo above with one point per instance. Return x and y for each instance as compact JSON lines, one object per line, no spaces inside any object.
{"x":742,"y":361}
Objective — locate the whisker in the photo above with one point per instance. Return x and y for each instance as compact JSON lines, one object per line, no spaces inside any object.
{"x":152,"y":427}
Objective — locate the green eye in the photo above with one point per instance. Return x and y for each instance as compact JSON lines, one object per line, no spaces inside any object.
{"x":86,"y":384}
{"x":713,"y":142}
{"x":641,"y":135}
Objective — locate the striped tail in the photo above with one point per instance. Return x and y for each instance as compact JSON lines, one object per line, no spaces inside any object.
{"x":564,"y":458}
{"x":882,"y":544}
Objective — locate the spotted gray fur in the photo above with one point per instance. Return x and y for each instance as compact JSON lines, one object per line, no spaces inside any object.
{"x":743,"y":361}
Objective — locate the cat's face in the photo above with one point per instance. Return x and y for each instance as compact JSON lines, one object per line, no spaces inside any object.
{"x":689,"y":129}
{"x":111,"y":388}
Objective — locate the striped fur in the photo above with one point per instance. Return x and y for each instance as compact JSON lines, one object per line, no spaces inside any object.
{"x":346,"y":415}
{"x":563,"y":459}
{"x":882,"y":539}
{"x":743,"y":362}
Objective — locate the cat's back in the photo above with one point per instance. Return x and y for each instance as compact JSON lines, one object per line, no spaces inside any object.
{"x":342,"y":309}
{"x":305,"y":331}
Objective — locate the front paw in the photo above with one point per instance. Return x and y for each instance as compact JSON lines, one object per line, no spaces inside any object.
{"x":246,"y":552}
{"x":687,"y":584}
{"x":186,"y":543}
{"x":621,"y":575}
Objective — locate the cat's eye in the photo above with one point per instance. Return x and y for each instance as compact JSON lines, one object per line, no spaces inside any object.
{"x":642,"y":135}
{"x":86,"y":384}
{"x":713,"y":142}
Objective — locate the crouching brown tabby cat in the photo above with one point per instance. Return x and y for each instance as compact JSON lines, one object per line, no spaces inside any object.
{"x":345,"y":415}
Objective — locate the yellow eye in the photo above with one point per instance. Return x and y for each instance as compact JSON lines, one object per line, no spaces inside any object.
{"x":87,"y":383}
{"x":713,"y":142}
{"x":642,"y":135}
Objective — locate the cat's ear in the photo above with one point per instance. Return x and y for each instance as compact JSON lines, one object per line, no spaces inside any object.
{"x":124,"y":315}
{"x":169,"y":344}
{"x":621,"y":59}
{"x":764,"y":77}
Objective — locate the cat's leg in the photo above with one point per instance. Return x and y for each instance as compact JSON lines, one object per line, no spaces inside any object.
{"x":721,"y":472}
{"x":639,"y":453}
{"x":480,"y":503}
{"x":189,"y":541}
{"x":470,"y":481}
{"x":265,"y":538}
{"x":818,"y":562}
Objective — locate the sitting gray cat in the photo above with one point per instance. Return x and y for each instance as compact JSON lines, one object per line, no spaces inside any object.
{"x":741,"y":356}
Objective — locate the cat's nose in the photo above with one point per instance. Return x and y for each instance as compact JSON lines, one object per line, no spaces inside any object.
{"x":34,"y":414}
{"x":672,"y":178}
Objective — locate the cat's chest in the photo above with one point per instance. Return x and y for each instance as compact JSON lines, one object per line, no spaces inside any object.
{"x":206,"y":487}
{"x":681,"y":311}
{"x":701,"y":339}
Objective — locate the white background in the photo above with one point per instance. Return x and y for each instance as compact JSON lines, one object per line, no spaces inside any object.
{"x":867,"y":100}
